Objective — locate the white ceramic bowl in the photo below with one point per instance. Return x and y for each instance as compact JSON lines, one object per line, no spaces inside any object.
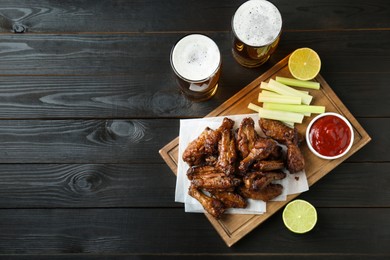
{"x":308,"y":139}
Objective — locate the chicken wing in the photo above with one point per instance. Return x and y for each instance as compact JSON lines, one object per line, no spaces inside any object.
{"x":206,"y":144}
{"x":268,"y":165}
{"x":260,"y":180}
{"x":197,"y":150}
{"x":227,"y":152}
{"x":288,"y":136}
{"x":215,"y":181}
{"x":227,"y":123}
{"x":266,"y":194}
{"x":279,"y":131}
{"x":295,"y":159}
{"x":276,"y":153}
{"x":201,"y":170}
{"x":246,"y":136}
{"x":261,"y":150}
{"x":213,"y":206}
{"x":211,"y":140}
{"x":230,"y":199}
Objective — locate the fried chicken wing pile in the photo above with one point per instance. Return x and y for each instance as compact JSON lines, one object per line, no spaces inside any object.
{"x":227,"y":167}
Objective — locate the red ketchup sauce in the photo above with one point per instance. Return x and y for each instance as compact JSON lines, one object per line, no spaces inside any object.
{"x":330,"y":135}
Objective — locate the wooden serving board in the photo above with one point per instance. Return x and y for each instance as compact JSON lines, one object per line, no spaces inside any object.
{"x":233,"y":227}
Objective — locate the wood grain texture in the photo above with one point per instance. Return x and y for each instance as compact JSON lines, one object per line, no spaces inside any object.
{"x":142,"y":84}
{"x":120,"y":96}
{"x":87,"y":99}
{"x":148,"y":186}
{"x":195,"y":256}
{"x":86,"y":185}
{"x":154,"y":15}
{"x":137,"y":96}
{"x":124,"y":141}
{"x":148,"y":54}
{"x":117,"y":231}
{"x":84,"y":141}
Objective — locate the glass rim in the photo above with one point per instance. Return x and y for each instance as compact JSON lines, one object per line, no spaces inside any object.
{"x":258,"y":46}
{"x":191,"y":80}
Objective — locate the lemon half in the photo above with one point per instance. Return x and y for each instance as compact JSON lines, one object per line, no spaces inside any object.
{"x":304,"y":64}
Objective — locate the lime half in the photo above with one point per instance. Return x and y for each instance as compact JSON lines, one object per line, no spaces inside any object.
{"x":299,"y":216}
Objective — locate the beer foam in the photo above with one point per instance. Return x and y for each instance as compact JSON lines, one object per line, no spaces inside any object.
{"x":195,"y":57}
{"x":257,"y":23}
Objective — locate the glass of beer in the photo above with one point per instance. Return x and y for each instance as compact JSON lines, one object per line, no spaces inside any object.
{"x":256,"y":29}
{"x":196,"y":63}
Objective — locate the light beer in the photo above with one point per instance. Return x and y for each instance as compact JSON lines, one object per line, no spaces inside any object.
{"x":196,"y":62}
{"x":256,"y":27}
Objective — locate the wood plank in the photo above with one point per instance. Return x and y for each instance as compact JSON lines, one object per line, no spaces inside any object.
{"x":349,"y":185}
{"x":119,"y":96}
{"x":136,"y":231}
{"x":125,"y":140}
{"x":136,"y":185}
{"x":340,"y":50}
{"x":140,"y":16}
{"x":86,"y":185}
{"x":378,"y":147}
{"x":195,"y":256}
{"x":148,"y":54}
{"x":84,"y":141}
{"x":365,"y":94}
{"x":130,"y":96}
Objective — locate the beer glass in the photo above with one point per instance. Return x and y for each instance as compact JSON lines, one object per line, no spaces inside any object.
{"x":196,"y":63}
{"x":256,"y":29}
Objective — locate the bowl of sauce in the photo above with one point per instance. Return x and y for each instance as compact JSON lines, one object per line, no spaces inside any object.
{"x":329,"y":136}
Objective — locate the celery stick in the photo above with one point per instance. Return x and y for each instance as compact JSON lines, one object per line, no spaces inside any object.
{"x":286,"y":90}
{"x":280,"y":115}
{"x":270,"y":93}
{"x":281,"y":99}
{"x":298,"y":83}
{"x":254,"y":107}
{"x":295,"y":108}
{"x":274,"y":94}
{"x":271,"y":106}
{"x":264,"y":85}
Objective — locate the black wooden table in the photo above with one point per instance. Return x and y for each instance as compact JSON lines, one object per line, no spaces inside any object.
{"x":87,"y":99}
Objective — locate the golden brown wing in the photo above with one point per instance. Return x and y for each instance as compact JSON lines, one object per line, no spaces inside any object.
{"x":215,"y":181}
{"x":278,"y":131}
{"x":266,"y":194}
{"x":246,"y":136}
{"x":260,"y":180}
{"x":201,"y":170}
{"x":212,"y":139}
{"x":261,"y":150}
{"x":203,"y":149}
{"x":227,"y":152}
{"x":230,"y":199}
{"x":265,"y":165}
{"x":295,"y":159}
{"x":213,"y":206}
{"x":195,"y":152}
